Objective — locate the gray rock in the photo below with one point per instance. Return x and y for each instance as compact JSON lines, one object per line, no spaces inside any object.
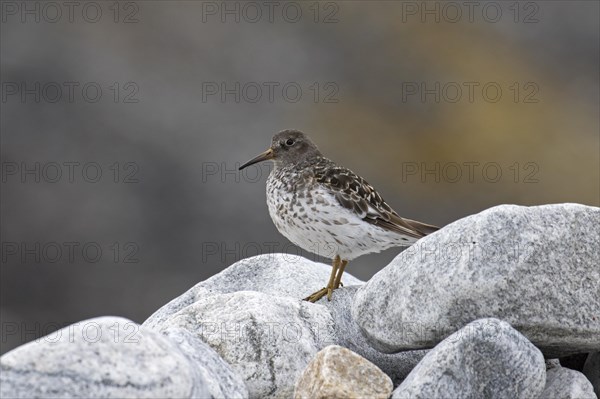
{"x":485,"y":359}
{"x":218,"y":377}
{"x":267,"y":340}
{"x":534,"y":267}
{"x":564,"y":383}
{"x":274,"y":274}
{"x":591,"y":369}
{"x":286,"y":279}
{"x":397,"y":365}
{"x":337,"y":372}
{"x":108,"y":357}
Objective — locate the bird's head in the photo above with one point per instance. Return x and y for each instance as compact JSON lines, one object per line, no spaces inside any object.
{"x":287,"y":147}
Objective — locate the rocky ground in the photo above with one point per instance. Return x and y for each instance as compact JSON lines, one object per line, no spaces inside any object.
{"x":501,"y":304}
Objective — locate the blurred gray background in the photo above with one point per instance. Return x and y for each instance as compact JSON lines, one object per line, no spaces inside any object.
{"x":165,"y":99}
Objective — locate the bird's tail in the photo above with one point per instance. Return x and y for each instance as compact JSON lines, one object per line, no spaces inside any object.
{"x":423,"y":228}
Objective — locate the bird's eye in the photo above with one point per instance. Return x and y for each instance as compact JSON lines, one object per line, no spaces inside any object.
{"x":290,"y":142}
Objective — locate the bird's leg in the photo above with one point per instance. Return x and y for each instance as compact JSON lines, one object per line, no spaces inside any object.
{"x":325,"y":291}
{"x":338,"y":278}
{"x":337,"y":262}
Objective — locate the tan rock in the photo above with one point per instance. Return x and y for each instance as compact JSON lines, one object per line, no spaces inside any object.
{"x":337,"y":372}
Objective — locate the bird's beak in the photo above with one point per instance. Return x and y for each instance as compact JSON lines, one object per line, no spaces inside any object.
{"x":259,"y":158}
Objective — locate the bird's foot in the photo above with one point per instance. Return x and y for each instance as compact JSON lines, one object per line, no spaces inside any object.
{"x":335,"y":281}
{"x":318,"y":295}
{"x":321,"y":293}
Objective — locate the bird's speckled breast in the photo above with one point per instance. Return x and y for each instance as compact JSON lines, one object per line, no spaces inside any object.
{"x":298,"y":207}
{"x":289,"y":192}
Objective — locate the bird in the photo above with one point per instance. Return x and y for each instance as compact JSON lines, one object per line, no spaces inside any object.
{"x":318,"y":204}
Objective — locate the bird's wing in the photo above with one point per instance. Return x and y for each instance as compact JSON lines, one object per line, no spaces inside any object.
{"x":355,"y":194}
